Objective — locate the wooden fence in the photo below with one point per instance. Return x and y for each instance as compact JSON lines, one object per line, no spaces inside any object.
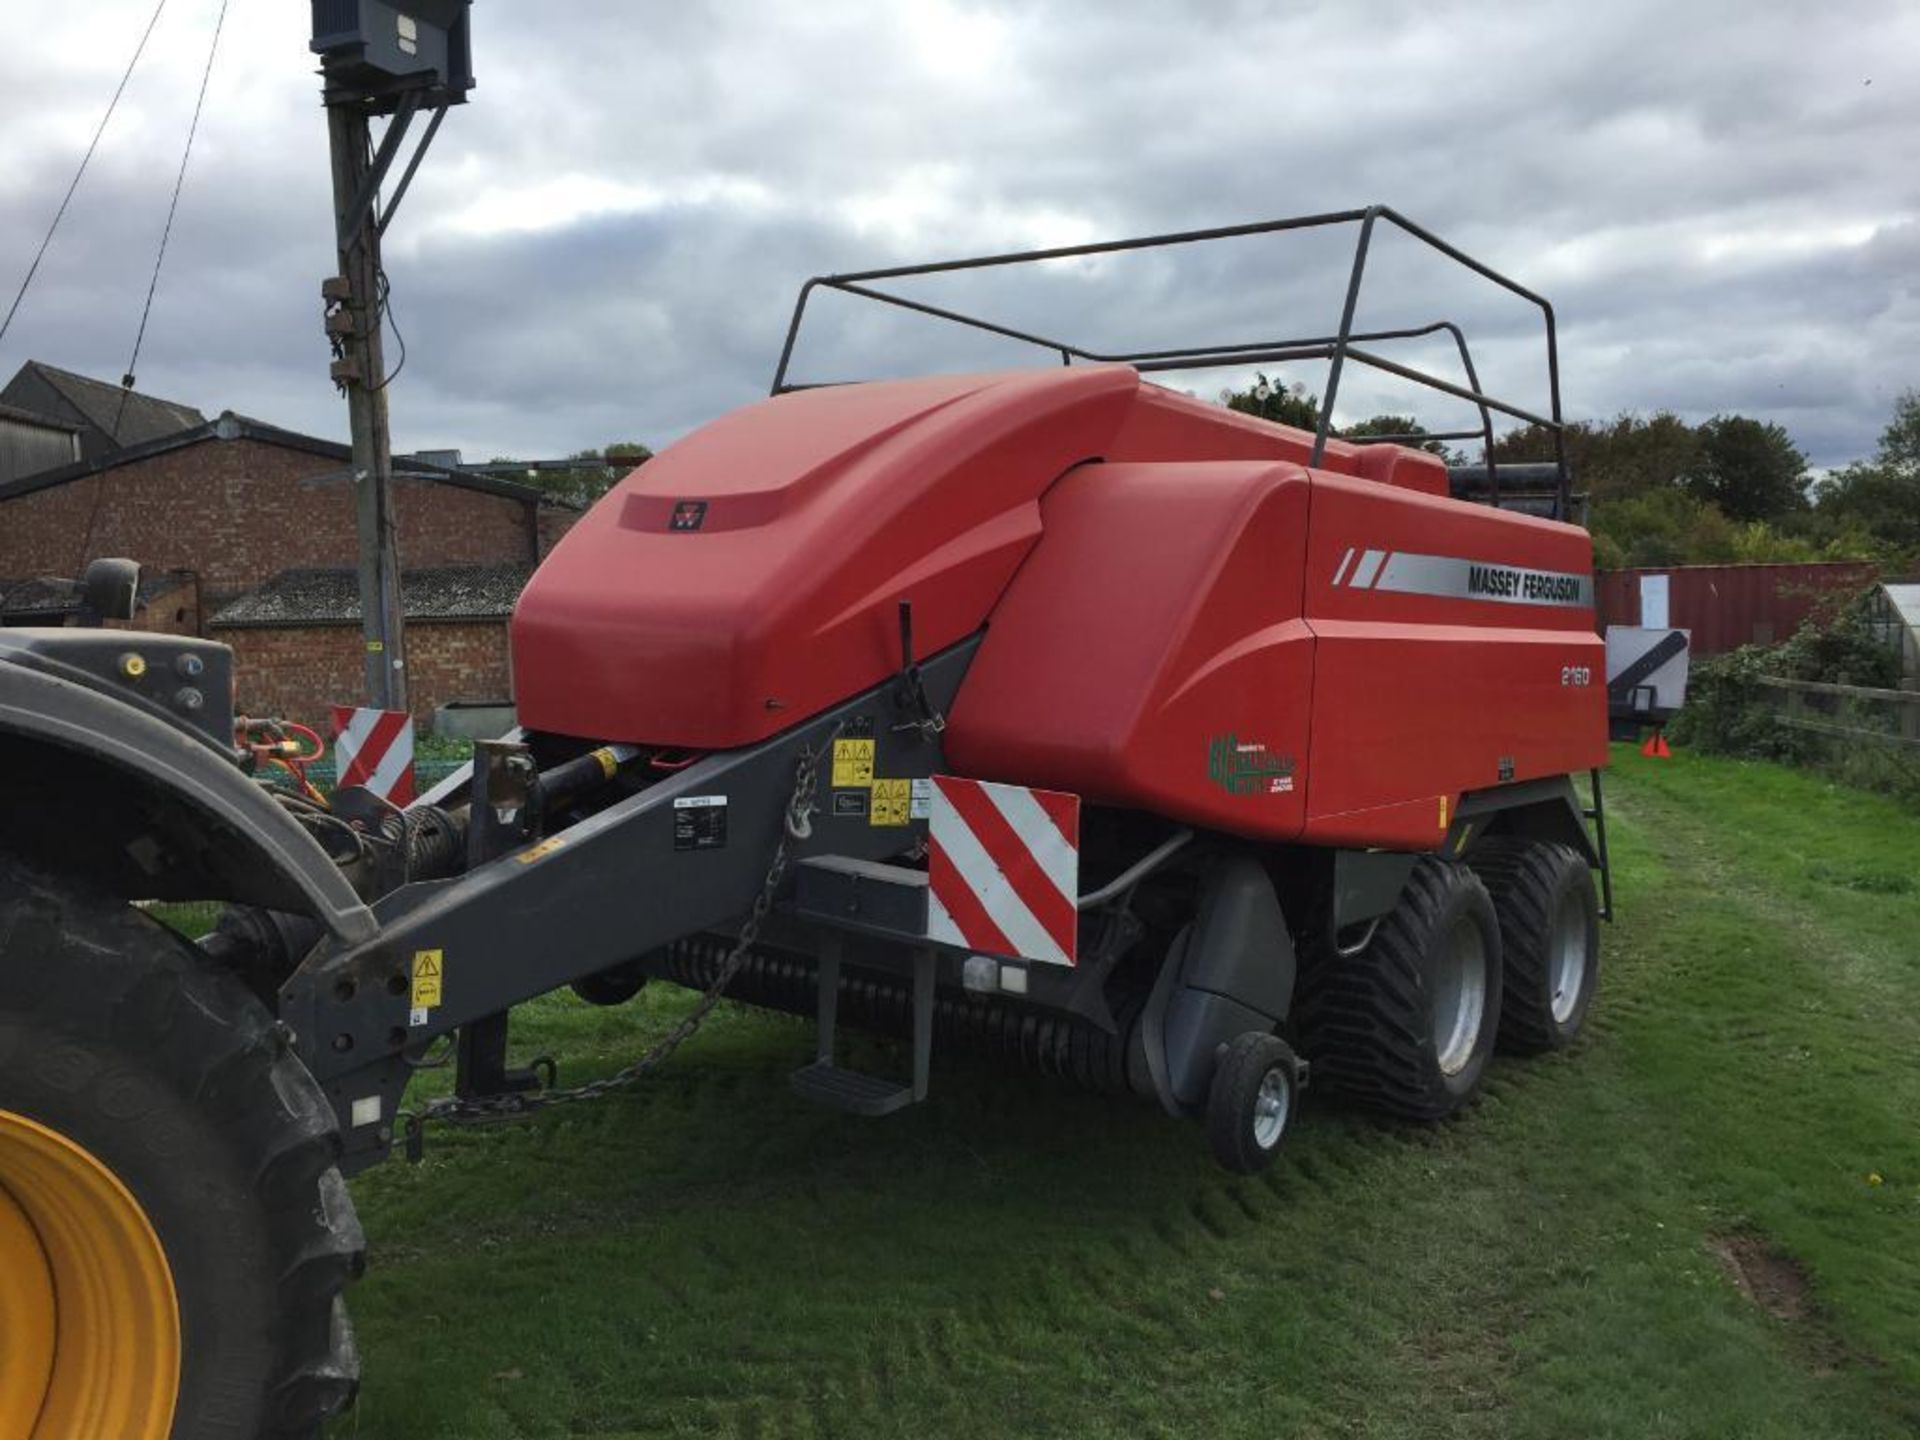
{"x":1847,"y":712}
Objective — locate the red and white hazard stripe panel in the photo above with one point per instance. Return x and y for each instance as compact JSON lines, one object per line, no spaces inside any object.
{"x":374,"y":748}
{"x":1003,"y":869}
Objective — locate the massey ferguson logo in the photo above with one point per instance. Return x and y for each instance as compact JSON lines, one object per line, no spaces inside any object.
{"x":1497,"y":582}
{"x":1454,"y":577}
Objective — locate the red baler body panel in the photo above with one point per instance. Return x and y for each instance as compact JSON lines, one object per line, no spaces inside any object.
{"x":822,"y":510}
{"x":1159,"y":617}
{"x":1180,"y":616}
{"x":1419,"y":696}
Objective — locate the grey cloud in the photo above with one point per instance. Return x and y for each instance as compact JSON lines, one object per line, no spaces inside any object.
{"x":1687,"y":182}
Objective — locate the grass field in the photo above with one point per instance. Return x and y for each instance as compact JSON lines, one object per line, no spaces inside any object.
{"x":1704,"y":1221}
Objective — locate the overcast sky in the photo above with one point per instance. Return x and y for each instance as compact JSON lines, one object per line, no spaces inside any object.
{"x":1721,"y":199}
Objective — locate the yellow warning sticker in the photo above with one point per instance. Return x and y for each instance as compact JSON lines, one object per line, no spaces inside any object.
{"x":853,"y":764}
{"x":427,"y":974}
{"x":540,"y":852}
{"x":1443,"y":812}
{"x":892,"y":802}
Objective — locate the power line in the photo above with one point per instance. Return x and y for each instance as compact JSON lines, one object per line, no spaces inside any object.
{"x":173,"y":205}
{"x":383,"y":314}
{"x":112,"y":104}
{"x":160,"y":256}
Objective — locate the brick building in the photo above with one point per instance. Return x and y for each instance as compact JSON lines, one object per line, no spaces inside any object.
{"x":246,"y":533}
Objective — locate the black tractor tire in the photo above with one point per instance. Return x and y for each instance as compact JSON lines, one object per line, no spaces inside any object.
{"x":1543,"y":894}
{"x":1252,"y":1101}
{"x":1368,"y":1021}
{"x":123,"y":1039}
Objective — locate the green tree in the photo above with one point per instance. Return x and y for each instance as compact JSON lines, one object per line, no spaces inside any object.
{"x":1294,"y":405}
{"x":599,"y":471}
{"x":1401,"y":425}
{"x":1626,"y":455}
{"x":1882,"y":496}
{"x":1900,"y":441}
{"x":1276,"y":401}
{"x":1751,"y":469}
{"x":1659,"y":527}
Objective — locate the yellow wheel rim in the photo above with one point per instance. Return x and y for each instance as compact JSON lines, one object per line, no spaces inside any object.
{"x":89,"y":1323}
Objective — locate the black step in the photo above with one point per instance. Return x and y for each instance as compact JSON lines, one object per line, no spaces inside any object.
{"x":849,"y":1090}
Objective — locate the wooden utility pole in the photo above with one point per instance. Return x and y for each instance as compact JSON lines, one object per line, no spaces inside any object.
{"x":378,"y":60}
{"x":354,"y":322}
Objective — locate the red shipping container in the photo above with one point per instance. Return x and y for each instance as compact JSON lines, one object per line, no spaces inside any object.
{"x":1727,"y":606}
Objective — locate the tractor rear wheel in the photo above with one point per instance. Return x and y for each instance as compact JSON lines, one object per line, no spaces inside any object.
{"x":1407,"y":1025}
{"x":174,"y":1235}
{"x":1549,"y":937}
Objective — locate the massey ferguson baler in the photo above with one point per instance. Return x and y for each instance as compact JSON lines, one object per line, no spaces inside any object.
{"x":1045,"y":712}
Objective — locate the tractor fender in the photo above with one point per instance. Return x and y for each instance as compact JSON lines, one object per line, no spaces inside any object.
{"x":1229,"y":972}
{"x":96,"y":787}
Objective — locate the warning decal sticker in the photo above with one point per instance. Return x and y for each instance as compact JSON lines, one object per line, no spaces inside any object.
{"x":429,"y":968}
{"x":852,"y":763}
{"x":892,"y":802}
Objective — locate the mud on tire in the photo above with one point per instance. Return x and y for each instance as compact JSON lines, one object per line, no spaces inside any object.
{"x":1391,"y":1027}
{"x":117,"y":1034}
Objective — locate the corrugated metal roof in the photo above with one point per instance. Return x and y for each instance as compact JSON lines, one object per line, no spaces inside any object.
{"x":230,"y":426}
{"x":34,"y":417}
{"x":125,"y":416}
{"x":30,"y":443}
{"x":41,"y":595}
{"x":332,"y":597}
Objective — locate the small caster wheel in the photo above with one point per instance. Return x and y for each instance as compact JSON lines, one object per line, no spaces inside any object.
{"x":1256,"y":1088}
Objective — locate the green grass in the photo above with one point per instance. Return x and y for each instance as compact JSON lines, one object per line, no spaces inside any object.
{"x":711,"y":1256}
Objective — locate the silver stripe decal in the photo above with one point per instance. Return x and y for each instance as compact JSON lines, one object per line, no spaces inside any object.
{"x":1369,"y":566}
{"x":1454,"y":578}
{"x":1345,"y":560}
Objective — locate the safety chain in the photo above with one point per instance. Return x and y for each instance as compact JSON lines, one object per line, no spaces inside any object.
{"x":797,"y":825}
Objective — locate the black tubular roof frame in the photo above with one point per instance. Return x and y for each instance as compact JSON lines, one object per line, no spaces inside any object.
{"x":1336,"y":349}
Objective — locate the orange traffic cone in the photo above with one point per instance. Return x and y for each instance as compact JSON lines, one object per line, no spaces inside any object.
{"x":1656,"y":747}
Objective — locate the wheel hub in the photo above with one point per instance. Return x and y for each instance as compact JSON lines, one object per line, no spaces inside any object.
{"x":93,"y":1323}
{"x":1459,"y":997}
{"x":1271,"y":1109}
{"x":1567,"y":956}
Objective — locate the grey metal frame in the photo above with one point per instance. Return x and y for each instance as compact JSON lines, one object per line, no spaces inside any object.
{"x":1336,"y":349}
{"x":499,"y":926}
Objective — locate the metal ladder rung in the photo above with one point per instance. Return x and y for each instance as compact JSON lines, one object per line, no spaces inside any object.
{"x":850,"y":1090}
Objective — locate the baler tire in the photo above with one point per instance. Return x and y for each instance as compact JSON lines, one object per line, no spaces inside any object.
{"x":1543,"y":893}
{"x":1252,"y":1101}
{"x":1367,"y":1021}
{"x":128,"y":1046}
{"x":615,"y":985}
